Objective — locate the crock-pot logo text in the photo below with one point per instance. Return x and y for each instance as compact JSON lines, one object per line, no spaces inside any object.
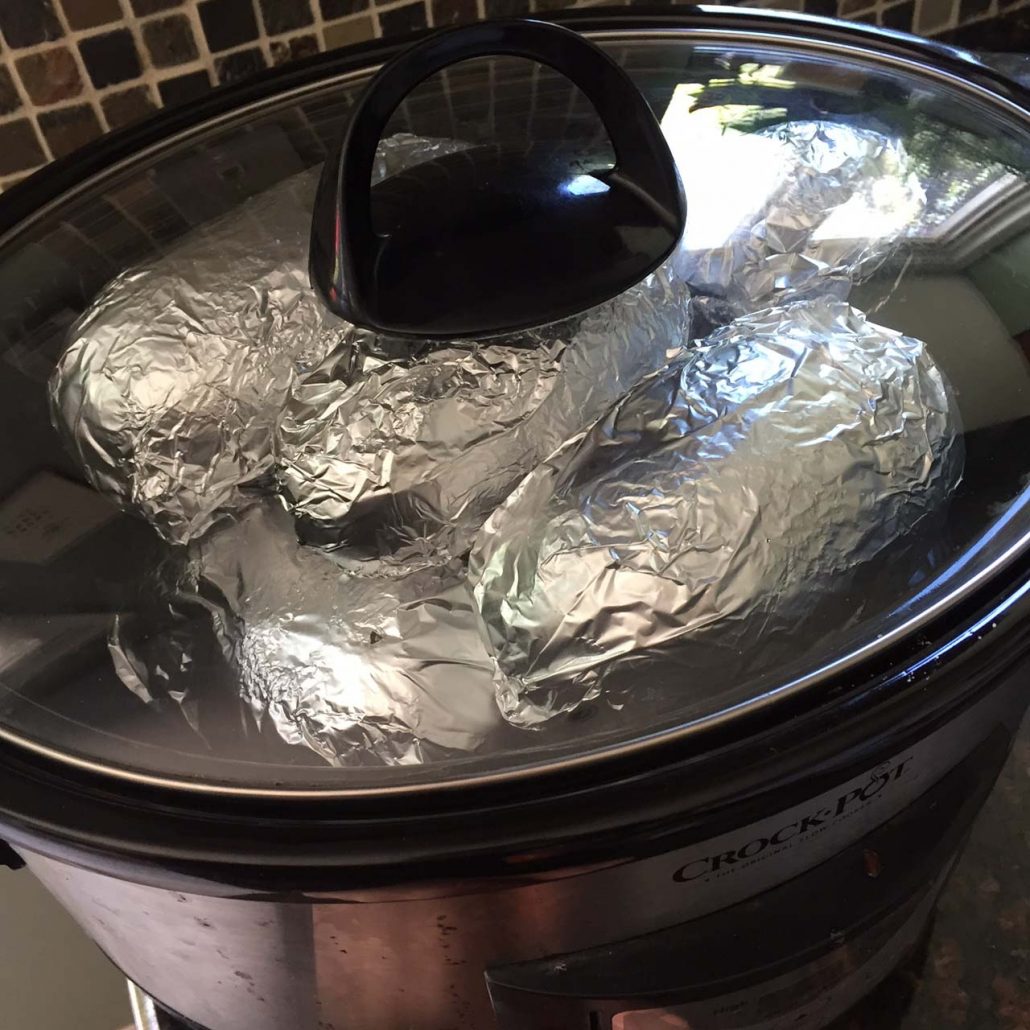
{"x":726,"y":859}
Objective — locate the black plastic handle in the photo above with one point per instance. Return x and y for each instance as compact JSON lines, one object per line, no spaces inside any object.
{"x":510,"y":213}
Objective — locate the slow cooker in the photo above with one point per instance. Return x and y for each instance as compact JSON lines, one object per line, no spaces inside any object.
{"x":755,"y":855}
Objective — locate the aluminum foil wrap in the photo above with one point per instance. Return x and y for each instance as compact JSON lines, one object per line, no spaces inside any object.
{"x":175,"y":376}
{"x":405,"y":461}
{"x":363,"y":671}
{"x":725,"y":498}
{"x":801,"y":209}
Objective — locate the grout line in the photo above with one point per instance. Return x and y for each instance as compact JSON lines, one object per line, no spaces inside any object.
{"x":281,"y":37}
{"x":150,"y":74}
{"x":262,"y":40}
{"x":204,"y":56}
{"x":917,"y":14}
{"x":89,"y":94}
{"x":390,"y":5}
{"x":318,"y":26}
{"x":368,"y":14}
{"x":18,"y":176}
{"x":29,"y":109}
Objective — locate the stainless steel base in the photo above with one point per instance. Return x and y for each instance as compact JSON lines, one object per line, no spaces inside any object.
{"x":474,"y":952}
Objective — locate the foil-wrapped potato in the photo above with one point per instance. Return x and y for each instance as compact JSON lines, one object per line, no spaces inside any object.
{"x":815,"y":207}
{"x":405,"y":461}
{"x":362,"y":671}
{"x":174,"y":378}
{"x":726,"y":497}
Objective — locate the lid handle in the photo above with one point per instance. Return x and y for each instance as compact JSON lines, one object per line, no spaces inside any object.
{"x":494,"y":238}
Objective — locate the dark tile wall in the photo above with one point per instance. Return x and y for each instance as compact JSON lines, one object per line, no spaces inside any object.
{"x":73,"y":69}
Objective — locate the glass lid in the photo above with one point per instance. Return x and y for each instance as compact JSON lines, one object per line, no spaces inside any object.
{"x":248,"y":545}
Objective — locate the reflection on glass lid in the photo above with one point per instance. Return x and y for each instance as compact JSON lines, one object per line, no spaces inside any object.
{"x":488,"y":554}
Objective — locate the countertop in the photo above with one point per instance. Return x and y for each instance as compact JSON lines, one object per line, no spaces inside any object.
{"x":974,"y":968}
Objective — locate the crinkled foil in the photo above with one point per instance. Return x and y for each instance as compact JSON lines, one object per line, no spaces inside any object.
{"x":409,"y":459}
{"x":731,"y":494}
{"x":833,"y":201}
{"x":175,"y":376}
{"x":724,"y":494}
{"x":363,"y":671}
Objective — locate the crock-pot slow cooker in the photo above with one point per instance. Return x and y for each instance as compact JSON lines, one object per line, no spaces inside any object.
{"x":746,"y":835}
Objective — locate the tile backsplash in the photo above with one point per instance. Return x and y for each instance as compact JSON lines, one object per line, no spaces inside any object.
{"x":73,"y":69}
